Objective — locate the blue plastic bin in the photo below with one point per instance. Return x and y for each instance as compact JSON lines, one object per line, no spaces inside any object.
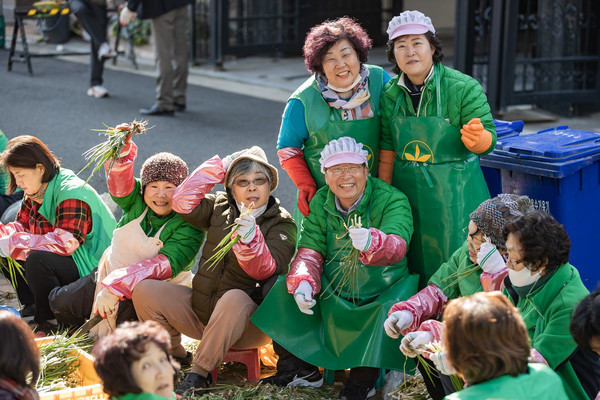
{"x":559,"y":168}
{"x":504,"y":130}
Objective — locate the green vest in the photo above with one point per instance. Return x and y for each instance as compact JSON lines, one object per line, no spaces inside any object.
{"x":66,"y":185}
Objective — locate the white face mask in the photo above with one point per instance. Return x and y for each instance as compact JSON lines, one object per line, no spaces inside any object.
{"x":346,"y":89}
{"x":523,"y":277}
{"x":255,"y":212}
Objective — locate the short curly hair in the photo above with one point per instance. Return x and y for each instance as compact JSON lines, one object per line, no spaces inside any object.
{"x":585,"y":323}
{"x":114,"y":354}
{"x":486,"y":337}
{"x":544,"y":241}
{"x":323,"y":36}
{"x":433,"y":40}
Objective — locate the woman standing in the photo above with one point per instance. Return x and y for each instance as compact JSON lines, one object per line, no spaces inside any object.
{"x":435,"y":121}
{"x":62,"y":228}
{"x":341,"y":98}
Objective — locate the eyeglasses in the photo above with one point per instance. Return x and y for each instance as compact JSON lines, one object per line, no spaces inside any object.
{"x":337,"y":171}
{"x":246,"y":182}
{"x":472,"y":235}
{"x":513,"y":263}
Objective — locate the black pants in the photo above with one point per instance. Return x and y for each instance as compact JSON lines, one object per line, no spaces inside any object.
{"x":44,"y":271}
{"x":7,"y":200}
{"x":438,"y":385}
{"x":22,"y":288}
{"x":72,"y":304}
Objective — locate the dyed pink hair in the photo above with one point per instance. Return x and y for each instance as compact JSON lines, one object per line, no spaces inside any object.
{"x":321,"y":37}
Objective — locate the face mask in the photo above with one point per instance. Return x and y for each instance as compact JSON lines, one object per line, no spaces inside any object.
{"x":255,"y":212}
{"x":523,"y":277}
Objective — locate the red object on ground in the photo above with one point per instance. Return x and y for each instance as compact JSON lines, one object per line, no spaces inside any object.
{"x":250,"y":357}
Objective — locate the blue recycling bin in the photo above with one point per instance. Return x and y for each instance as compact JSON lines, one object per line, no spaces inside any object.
{"x":504,"y":130}
{"x":559,"y":169}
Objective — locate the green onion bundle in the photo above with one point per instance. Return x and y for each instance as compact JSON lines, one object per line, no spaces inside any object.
{"x":11,"y":268}
{"x":112,"y":147}
{"x":436,"y":347}
{"x":459,"y":276}
{"x":346,"y":274}
{"x":59,"y":362}
{"x":225,"y":245}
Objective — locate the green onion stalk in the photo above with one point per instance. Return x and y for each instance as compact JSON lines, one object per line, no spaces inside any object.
{"x":346,"y":274}
{"x":10,"y":267}
{"x":111,"y":148}
{"x":225,"y":245}
{"x":59,"y":362}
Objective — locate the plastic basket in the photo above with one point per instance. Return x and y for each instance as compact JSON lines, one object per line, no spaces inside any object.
{"x":92,"y":388}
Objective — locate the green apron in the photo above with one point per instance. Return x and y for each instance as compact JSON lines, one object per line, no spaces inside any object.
{"x":323,"y":127}
{"x":443,"y":182}
{"x":346,"y":330}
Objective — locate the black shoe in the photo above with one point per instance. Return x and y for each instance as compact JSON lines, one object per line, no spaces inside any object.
{"x":27,"y":312}
{"x":179,"y":107}
{"x":154,"y":110}
{"x":185,"y":361}
{"x":356,"y":392}
{"x":46,"y":329}
{"x":194,"y":384}
{"x":309,"y":378}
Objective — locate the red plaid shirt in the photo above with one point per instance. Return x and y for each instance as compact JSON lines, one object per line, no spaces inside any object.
{"x":71,"y":215}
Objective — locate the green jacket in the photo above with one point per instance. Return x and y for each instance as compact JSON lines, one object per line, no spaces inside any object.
{"x":539,"y":383}
{"x":66,"y":185}
{"x":449,"y":276}
{"x":462,"y":99}
{"x":379,"y":200}
{"x":215,"y":214}
{"x":181,"y":241}
{"x":547,"y":315}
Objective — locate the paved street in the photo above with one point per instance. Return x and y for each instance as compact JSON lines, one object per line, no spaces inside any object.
{"x":53,"y":106}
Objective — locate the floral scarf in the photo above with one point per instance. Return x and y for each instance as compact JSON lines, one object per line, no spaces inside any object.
{"x":357,"y":106}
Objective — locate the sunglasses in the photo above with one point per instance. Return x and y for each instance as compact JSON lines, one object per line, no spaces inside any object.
{"x":246,"y":182}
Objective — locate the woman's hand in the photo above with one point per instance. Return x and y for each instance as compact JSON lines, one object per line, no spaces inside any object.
{"x":489,"y":259}
{"x":413,"y":344}
{"x":475,"y":137}
{"x":397,"y":322}
{"x":304,"y":298}
{"x":246,"y":228}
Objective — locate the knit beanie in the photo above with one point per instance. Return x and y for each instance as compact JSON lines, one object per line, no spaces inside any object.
{"x":163,"y":167}
{"x":491,"y":215}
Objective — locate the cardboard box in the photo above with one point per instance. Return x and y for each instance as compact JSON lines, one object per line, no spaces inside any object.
{"x":92,"y":388}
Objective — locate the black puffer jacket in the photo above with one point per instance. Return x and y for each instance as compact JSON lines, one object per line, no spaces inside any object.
{"x":148,"y":9}
{"x":215,"y":214}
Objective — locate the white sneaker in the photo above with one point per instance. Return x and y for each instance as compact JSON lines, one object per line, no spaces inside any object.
{"x":97,"y":91}
{"x":105,"y":52}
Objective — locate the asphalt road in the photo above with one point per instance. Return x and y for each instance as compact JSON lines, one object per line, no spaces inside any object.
{"x":53,"y":106}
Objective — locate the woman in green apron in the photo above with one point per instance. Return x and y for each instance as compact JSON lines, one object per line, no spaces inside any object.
{"x":341,"y":98}
{"x":435,"y":122}
{"x":327,"y":316}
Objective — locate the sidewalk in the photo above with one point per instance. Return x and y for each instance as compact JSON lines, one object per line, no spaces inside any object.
{"x":276,"y":78}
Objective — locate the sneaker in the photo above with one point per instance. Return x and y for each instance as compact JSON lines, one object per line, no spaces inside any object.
{"x":97,"y":91}
{"x":27,"y":312}
{"x":185,"y":361}
{"x":309,"y":378}
{"x":105,"y":51}
{"x":194,"y":384}
{"x":355,"y":392}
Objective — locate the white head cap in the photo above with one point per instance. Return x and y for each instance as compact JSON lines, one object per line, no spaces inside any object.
{"x":409,"y":23}
{"x":344,"y":150}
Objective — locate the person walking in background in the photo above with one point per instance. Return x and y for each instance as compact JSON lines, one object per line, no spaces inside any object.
{"x":169,"y":21}
{"x":92,"y":17}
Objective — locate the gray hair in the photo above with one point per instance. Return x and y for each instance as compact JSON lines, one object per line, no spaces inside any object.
{"x":247,"y":166}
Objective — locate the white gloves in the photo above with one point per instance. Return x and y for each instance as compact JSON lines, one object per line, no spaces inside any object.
{"x":303,"y":297}
{"x":106,"y":302}
{"x":442,"y":364}
{"x":246,"y":227}
{"x":227,"y":160}
{"x":489,"y":259}
{"x":361,"y":238}
{"x":4,"y":249}
{"x":414,"y":343}
{"x":126,"y":16}
{"x":396,"y":322}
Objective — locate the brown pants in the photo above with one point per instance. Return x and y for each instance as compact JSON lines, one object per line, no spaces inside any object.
{"x":229,"y":326}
